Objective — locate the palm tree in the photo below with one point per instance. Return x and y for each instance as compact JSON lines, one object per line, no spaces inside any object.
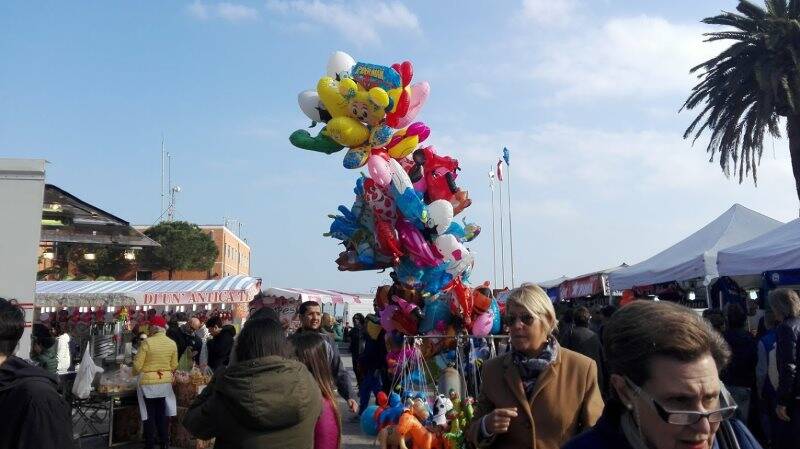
{"x":748,"y":89}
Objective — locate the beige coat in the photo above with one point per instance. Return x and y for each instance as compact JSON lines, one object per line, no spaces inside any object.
{"x":566,"y":401}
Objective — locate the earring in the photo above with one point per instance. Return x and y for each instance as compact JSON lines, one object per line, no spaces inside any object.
{"x":629,"y":406}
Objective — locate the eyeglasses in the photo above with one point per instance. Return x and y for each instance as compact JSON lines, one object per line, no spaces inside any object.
{"x":526,"y":319}
{"x":683,"y":418}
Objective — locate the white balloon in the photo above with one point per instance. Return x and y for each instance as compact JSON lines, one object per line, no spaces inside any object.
{"x":440,"y":214}
{"x":400,"y":178}
{"x":311,"y":106}
{"x":457,"y":255}
{"x":340,"y":63}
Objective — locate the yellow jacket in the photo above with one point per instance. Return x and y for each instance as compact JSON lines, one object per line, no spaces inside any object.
{"x":156,"y":360}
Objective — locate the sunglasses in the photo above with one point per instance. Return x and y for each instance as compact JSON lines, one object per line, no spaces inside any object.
{"x":526,"y":319}
{"x":683,"y":418}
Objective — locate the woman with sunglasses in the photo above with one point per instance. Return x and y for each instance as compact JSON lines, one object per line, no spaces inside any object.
{"x":664,"y":361}
{"x":539,"y":395}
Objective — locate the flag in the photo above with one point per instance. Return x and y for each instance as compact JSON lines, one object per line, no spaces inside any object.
{"x":506,"y":156}
{"x":491,"y":179}
{"x":500,"y":170}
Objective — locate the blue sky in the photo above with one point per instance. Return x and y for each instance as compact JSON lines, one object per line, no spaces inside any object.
{"x":585,"y":93}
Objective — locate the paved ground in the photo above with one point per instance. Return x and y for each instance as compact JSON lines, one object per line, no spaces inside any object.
{"x":351,"y":432}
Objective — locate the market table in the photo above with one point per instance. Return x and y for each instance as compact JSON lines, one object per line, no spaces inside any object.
{"x":112,"y":402}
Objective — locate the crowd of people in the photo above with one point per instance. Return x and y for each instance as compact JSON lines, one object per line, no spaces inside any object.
{"x":652,"y":374}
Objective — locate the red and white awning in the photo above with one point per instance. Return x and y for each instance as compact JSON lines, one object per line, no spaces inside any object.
{"x":232,"y":289}
{"x":320,"y":296}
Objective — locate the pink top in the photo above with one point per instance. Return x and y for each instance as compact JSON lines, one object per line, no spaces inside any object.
{"x":327,"y":432}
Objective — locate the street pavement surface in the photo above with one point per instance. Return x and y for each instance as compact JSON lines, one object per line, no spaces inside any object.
{"x":352,"y":437}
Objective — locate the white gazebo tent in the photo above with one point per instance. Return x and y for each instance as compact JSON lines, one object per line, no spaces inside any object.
{"x":287,"y":300}
{"x":695,"y":257}
{"x":778,"y":249}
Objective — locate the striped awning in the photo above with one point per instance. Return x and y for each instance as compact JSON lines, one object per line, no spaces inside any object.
{"x":320,"y":296}
{"x":230,"y":289}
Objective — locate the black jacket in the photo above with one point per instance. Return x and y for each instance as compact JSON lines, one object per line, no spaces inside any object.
{"x":220,"y":347}
{"x":741,"y":371}
{"x":344,"y":384}
{"x":585,"y":341}
{"x":32,"y":413}
{"x":260,"y":403}
{"x":787,"y":352}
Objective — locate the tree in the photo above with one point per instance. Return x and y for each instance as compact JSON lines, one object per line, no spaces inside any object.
{"x":183,"y":247}
{"x":108,"y":262}
{"x":749,"y":87}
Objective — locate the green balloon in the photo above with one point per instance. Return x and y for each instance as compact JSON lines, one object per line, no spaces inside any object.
{"x":320,"y":143}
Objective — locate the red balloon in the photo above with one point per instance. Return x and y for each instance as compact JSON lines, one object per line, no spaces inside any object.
{"x":463,"y":296}
{"x":386,"y":237}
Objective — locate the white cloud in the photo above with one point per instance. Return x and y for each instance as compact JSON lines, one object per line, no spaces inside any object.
{"x":235,"y":13}
{"x":549,"y":12}
{"x":359,"y":23}
{"x":230,"y":12}
{"x":198,"y":10}
{"x":587,"y":198}
{"x":627,"y":57}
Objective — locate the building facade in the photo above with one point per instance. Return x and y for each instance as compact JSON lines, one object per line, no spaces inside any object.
{"x":233,"y":257}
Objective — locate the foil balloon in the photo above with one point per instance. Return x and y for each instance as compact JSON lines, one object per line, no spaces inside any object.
{"x":386,"y":237}
{"x":415,"y":245}
{"x":339,"y":65}
{"x":382,"y":204}
{"x":440,"y":215}
{"x":368,"y":423}
{"x":460,"y":201}
{"x":497,"y":318}
{"x":312,"y":106}
{"x":379,"y":169}
{"x":436,"y":311}
{"x":482,"y":324}
{"x":320,"y":143}
{"x":418,"y":97}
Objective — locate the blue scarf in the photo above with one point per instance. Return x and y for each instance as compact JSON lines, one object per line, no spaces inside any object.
{"x":531,"y":367}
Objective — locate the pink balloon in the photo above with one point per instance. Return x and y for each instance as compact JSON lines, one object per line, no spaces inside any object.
{"x":482,"y":325}
{"x":386,"y":317}
{"x":419,"y":95}
{"x":379,"y":170}
{"x":415,"y":244}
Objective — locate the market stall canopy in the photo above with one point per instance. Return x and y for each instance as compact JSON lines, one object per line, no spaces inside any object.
{"x":320,"y":296}
{"x":696,"y":255}
{"x":778,"y":249}
{"x":232,"y":289}
{"x":552,"y":282}
{"x":68,"y":219}
{"x":589,"y":284}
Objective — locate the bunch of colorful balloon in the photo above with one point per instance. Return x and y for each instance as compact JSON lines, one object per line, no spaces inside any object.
{"x":405,"y":209}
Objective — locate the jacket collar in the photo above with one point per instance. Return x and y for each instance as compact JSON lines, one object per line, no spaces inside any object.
{"x":514,"y":381}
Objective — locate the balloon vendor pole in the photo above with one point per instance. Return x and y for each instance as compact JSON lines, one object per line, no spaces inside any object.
{"x":494,"y":232}
{"x":502,"y":235}
{"x":510,"y":232}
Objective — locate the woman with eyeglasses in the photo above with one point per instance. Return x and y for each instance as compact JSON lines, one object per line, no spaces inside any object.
{"x":664,"y":362}
{"x":538,"y":395}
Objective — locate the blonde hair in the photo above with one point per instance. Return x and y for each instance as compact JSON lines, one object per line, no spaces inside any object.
{"x":785,"y":302}
{"x":532,"y":298}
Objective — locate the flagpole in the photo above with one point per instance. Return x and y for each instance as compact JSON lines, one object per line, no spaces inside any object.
{"x":494,"y":233}
{"x":502,"y":235}
{"x":510,"y":232}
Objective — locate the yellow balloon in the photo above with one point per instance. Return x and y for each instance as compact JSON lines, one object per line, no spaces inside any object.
{"x":404,"y":147}
{"x":335,"y":102}
{"x":347,"y":131}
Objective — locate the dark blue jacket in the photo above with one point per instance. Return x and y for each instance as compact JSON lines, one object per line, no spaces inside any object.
{"x":607,"y":433}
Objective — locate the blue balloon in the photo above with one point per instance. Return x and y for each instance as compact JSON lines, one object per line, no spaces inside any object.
{"x":411,"y":205}
{"x":391,"y":414}
{"x":408,"y":272}
{"x":369,"y":425}
{"x":435,"y":311}
{"x":435,"y":278}
{"x":457,"y":229}
{"x":497,"y":324}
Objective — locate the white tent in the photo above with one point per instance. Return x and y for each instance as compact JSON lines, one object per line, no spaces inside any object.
{"x":696,"y":256}
{"x":778,"y":249}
